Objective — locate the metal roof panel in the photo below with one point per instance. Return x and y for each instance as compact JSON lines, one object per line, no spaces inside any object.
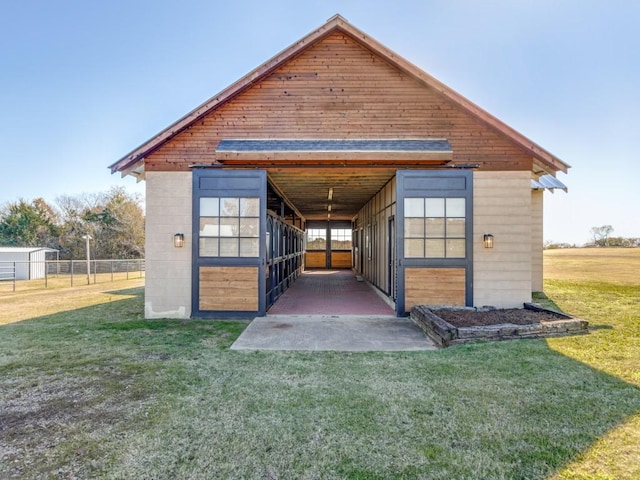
{"x":334,"y":145}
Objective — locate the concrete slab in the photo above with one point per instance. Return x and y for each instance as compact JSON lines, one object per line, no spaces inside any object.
{"x":345,"y":333}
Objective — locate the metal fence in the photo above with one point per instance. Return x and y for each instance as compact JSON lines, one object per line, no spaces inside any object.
{"x":60,"y":273}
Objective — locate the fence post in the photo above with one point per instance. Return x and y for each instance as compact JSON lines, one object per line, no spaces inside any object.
{"x":127,"y":262}
{"x":46,"y":274}
{"x":71,"y":270}
{"x":111,"y":263}
{"x":95,"y":267}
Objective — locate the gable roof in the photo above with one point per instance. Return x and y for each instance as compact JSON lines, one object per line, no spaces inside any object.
{"x":133,"y":162}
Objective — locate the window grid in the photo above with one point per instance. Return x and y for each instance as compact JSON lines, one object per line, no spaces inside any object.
{"x":341,"y":239}
{"x":434,"y":227}
{"x":229,"y":227}
{"x":316,"y":239}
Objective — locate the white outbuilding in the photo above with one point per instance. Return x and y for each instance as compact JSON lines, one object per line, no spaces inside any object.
{"x":23,"y":263}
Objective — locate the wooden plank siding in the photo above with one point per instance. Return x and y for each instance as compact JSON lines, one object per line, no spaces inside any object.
{"x":338,"y":88}
{"x":340,"y":259}
{"x":229,"y":288}
{"x":315,"y":260}
{"x":434,"y":286}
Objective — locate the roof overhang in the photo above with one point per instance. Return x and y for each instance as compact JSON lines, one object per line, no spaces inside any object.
{"x":548,"y":182}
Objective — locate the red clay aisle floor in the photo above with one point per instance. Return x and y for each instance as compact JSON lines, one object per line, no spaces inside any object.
{"x":330,"y":292}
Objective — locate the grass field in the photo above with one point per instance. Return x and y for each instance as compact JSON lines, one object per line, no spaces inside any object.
{"x":89,"y":389}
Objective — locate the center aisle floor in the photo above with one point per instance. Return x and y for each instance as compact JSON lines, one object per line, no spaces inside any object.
{"x":330,"y":292}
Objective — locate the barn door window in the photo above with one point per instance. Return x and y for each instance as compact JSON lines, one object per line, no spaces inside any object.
{"x":434,"y":227}
{"x":316,"y":239}
{"x":229,"y":227}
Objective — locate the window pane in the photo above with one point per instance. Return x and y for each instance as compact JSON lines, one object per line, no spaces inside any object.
{"x":414,"y":207}
{"x":229,"y":207}
{"x":414,"y":227}
{"x":249,"y":247}
{"x":414,"y":248}
{"x":340,"y":239}
{"x":210,"y":227}
{"x":455,"y":207}
{"x":249,"y":227}
{"x":316,"y":239}
{"x":209,"y":207}
{"x":229,"y":227}
{"x":208,"y":247}
{"x":228,"y":247}
{"x":455,"y":248}
{"x":455,"y":227}
{"x":435,"y":227}
{"x":249,"y":207}
{"x":435,"y":207}
{"x":435,"y":248}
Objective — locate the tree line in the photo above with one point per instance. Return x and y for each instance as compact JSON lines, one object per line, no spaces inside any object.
{"x":114,"y":219}
{"x":601,"y":237}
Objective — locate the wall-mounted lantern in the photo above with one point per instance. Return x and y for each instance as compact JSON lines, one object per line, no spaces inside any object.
{"x":178,"y":240}
{"x":488,"y":240}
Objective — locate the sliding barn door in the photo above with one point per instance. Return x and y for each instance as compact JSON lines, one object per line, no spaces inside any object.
{"x":229,"y":225}
{"x":434,"y":235}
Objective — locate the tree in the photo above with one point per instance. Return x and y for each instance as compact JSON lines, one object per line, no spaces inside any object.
{"x":601,"y":234}
{"x":28,"y":224}
{"x":73,"y":224}
{"x":119,"y":225}
{"x":114,"y":219}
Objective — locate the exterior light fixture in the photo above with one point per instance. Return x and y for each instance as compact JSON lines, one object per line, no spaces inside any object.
{"x":178,"y":240}
{"x":488,"y":240}
{"x":330,"y":197}
{"x":328,"y":208}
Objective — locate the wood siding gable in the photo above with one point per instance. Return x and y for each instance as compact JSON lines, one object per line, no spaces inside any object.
{"x":339,"y":89}
{"x":339,"y":83}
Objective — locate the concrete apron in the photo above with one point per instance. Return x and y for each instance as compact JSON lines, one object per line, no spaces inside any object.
{"x":344,"y":333}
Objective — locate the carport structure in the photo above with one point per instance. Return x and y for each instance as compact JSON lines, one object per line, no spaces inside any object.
{"x":337,"y":133}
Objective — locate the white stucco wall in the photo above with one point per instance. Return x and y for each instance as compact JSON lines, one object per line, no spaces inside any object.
{"x":168,"y":269}
{"x":502,"y":206}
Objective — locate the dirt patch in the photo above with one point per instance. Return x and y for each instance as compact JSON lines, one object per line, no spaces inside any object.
{"x":41,"y":420}
{"x":516,"y":316}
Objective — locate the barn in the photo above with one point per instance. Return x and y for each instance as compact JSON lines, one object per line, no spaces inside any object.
{"x":339,"y":153}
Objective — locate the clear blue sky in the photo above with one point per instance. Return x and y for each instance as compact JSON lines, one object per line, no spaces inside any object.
{"x":82,"y":83}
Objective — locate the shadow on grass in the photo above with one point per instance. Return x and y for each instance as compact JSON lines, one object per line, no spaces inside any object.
{"x":601,"y":327}
{"x":127,"y":291}
{"x":515,"y":409}
{"x":542,"y":299}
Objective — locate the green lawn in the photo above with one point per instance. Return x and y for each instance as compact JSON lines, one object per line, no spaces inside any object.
{"x":97,"y":391}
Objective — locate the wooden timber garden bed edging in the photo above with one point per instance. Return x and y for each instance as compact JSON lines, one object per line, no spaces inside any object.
{"x":445,"y":334}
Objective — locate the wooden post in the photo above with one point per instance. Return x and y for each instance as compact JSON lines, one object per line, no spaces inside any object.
{"x":87,"y":238}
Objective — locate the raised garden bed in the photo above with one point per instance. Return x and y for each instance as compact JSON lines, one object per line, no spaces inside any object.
{"x":453,"y":325}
